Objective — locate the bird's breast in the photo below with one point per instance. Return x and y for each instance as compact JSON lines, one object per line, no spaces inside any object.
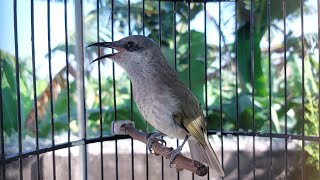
{"x":157,"y":105}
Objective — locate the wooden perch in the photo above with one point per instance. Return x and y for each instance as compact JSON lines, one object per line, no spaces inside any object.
{"x":181,"y":161}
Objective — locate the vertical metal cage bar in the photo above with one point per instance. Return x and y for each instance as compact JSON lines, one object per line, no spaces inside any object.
{"x":252,"y":82}
{"x":16,"y":51}
{"x":189,"y":55}
{"x":143,"y":20}
{"x":175,"y":52}
{"x":146,"y":123}
{"x":285,"y":84}
{"x":175,"y":34}
{"x":2,"y":157}
{"x":99,"y":82}
{"x":269,"y":78}
{"x":34,"y":86}
{"x":318,"y":4}
{"x":205,"y":58}
{"x":220,"y":86}
{"x":131,"y":98}
{"x":302,"y":87}
{"x":206,"y":66}
{"x":81,"y":108}
{"x":160,"y":44}
{"x":114,"y":90}
{"x":159,"y":21}
{"x":50,"y":87}
{"x":84,"y":100}
{"x":237,"y":94}
{"x":68,"y":82}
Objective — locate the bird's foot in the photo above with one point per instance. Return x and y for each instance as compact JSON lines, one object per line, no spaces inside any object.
{"x":173,"y":154}
{"x":152,"y":138}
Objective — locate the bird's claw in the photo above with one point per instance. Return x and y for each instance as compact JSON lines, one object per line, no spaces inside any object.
{"x":151,"y":141}
{"x":162,"y":142}
{"x":172,"y":155}
{"x":152,"y":138}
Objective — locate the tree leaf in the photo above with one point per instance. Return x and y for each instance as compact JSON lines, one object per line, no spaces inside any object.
{"x":197,"y":79}
{"x":245,"y":60}
{"x":9,"y":110}
{"x":275,"y":120}
{"x":9,"y":71}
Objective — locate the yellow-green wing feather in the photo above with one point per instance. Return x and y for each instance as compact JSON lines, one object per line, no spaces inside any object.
{"x":196,"y":128}
{"x":190,"y":114}
{"x":190,"y":117}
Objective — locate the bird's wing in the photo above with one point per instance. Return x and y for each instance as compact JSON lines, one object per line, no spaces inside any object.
{"x":189,"y":115}
{"x":196,"y":128}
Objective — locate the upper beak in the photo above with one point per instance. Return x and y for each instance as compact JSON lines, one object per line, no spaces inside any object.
{"x":113,"y":45}
{"x":103,"y":44}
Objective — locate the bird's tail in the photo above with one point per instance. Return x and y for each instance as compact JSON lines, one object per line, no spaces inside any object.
{"x":205,"y":154}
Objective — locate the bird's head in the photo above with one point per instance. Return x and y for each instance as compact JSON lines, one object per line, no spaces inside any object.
{"x":138,"y":55}
{"x":131,"y":49}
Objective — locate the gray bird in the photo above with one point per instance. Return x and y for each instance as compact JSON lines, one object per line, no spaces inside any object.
{"x":162,"y":99}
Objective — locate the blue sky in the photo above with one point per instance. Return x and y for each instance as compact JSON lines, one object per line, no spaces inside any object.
{"x":40,"y":24}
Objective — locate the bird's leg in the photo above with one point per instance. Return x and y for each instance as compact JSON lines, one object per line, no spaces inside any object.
{"x":172,"y":155}
{"x":153,"y":137}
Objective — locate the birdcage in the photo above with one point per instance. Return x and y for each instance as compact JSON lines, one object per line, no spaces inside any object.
{"x":253,"y":66}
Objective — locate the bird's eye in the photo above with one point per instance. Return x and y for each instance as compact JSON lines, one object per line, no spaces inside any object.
{"x":131,"y":46}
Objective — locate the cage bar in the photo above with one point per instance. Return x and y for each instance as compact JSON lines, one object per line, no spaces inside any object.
{"x":34,"y":86}
{"x":99,"y":81}
{"x":237,"y":93}
{"x":285,"y":83}
{"x":205,"y":68}
{"x":253,"y":85}
{"x":50,"y":84}
{"x":146,"y":123}
{"x":160,"y":44}
{"x":175,"y":52}
{"x":114,"y":90}
{"x":220,"y":88}
{"x":16,"y":51}
{"x":68,"y":83}
{"x":26,"y":154}
{"x":131,"y":98}
{"x":269,"y":84}
{"x":302,"y":88}
{"x":189,"y":54}
{"x":318,"y":10}
{"x":81,"y":109}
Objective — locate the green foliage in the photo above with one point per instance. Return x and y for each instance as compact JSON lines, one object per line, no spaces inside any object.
{"x":312,"y":129}
{"x":197,"y":66}
{"x":8,"y":91}
{"x":245,"y":60}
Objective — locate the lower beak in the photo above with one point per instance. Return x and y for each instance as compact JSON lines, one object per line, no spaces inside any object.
{"x":113,"y":45}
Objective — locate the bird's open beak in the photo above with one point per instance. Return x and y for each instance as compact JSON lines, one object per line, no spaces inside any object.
{"x":113,"y":45}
